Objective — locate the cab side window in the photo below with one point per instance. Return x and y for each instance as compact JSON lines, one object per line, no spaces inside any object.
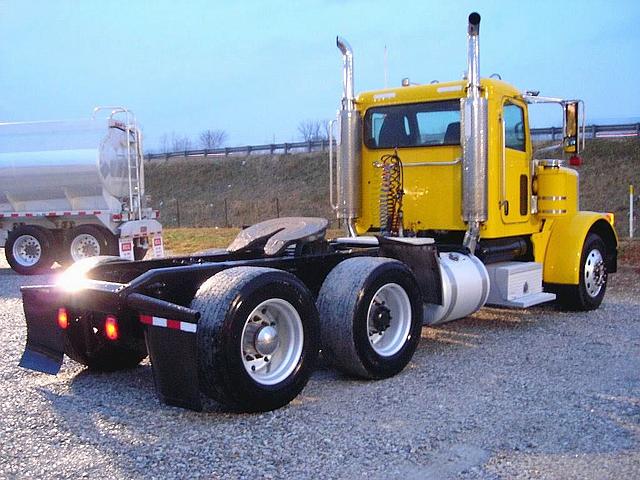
{"x":514,"y":127}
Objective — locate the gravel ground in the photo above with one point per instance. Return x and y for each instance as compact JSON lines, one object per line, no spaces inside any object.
{"x":536,"y":393}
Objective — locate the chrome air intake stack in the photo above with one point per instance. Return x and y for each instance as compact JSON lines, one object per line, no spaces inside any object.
{"x":349,"y":151}
{"x":474,"y":141}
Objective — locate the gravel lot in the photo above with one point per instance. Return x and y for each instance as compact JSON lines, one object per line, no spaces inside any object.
{"x":503,"y":394}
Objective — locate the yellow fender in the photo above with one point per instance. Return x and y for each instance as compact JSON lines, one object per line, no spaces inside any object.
{"x":566,"y":239}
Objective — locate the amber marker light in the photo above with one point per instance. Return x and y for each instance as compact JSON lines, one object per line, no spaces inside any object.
{"x":111,"y":327}
{"x":63,"y":318}
{"x":610,"y":217}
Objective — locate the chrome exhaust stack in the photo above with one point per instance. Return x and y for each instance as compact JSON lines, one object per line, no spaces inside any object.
{"x":349,"y":158}
{"x":474,"y":141}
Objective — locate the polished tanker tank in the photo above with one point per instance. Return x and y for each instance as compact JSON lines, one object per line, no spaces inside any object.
{"x":70,"y":165}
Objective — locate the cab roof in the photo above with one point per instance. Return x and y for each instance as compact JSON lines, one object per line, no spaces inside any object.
{"x":432,"y":92}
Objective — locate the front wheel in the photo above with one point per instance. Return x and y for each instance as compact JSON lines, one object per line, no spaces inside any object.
{"x":258,"y":338}
{"x":589,"y":292}
{"x":371,"y":316}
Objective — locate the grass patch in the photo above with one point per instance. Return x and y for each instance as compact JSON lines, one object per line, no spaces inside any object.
{"x":180,"y":241}
{"x":189,"y":240}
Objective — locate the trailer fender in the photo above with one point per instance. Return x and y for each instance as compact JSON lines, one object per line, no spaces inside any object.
{"x":568,"y":234}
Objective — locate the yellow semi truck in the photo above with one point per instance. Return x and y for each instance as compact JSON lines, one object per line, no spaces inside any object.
{"x":455,"y":162}
{"x":446,"y":209}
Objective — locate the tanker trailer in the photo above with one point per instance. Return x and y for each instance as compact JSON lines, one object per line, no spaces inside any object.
{"x":74,"y":189}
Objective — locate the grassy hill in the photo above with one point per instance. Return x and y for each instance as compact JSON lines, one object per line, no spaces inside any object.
{"x":241,"y":190}
{"x":238,"y":190}
{"x":610,"y":166}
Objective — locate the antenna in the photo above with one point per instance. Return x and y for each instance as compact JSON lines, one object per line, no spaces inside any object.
{"x":386,"y":69}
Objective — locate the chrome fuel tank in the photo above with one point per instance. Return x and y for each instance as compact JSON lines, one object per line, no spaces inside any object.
{"x":63,"y":164}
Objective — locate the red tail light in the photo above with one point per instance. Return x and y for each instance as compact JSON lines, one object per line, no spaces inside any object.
{"x":111,"y":327}
{"x":575,"y":161}
{"x":63,"y":318}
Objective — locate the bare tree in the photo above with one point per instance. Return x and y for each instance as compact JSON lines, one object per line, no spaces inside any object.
{"x":165,"y":144}
{"x":312,"y":130}
{"x":325,"y":128}
{"x":180,"y":143}
{"x":212,"y":138}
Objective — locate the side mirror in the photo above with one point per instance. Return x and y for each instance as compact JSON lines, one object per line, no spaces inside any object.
{"x":570,"y":143}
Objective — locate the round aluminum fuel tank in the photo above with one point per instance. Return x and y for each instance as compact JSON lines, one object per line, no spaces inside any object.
{"x":40,"y":161}
{"x":465,"y":288}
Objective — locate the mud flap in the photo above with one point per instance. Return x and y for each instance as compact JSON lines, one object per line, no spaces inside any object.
{"x":45,"y":340}
{"x":422,"y":258}
{"x":175,"y":366}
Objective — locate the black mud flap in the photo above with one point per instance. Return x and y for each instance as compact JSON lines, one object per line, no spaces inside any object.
{"x":175,"y":366}
{"x":423,"y":261}
{"x":45,"y":340}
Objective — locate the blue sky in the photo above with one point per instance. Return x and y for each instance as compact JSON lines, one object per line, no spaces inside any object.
{"x":256,"y":69}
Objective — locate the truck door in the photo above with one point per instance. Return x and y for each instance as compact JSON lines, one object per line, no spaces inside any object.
{"x":515,"y":194}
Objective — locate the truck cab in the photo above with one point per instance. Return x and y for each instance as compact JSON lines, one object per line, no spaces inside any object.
{"x":455,"y":161}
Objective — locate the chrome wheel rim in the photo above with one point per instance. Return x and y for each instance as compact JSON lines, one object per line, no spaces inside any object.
{"x":84,"y":246}
{"x":272,"y":341}
{"x":389,"y":319}
{"x":595,"y":273}
{"x":27,"y":250}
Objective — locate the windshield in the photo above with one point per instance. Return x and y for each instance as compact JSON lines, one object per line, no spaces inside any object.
{"x":413,"y":125}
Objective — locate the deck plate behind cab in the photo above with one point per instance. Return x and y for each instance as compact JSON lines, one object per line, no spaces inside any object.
{"x":274,"y":235}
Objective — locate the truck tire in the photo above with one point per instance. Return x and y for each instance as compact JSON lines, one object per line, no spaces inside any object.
{"x":370,"y":317}
{"x":29,"y":250}
{"x":91,"y":349}
{"x":588,"y":294}
{"x":88,"y":241}
{"x":258,"y":338}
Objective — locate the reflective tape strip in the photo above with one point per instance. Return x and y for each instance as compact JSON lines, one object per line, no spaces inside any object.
{"x":167,"y":323}
{"x":67,"y":213}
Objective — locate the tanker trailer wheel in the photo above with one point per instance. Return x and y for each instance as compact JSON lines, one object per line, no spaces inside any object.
{"x":258,"y":338}
{"x":371,"y":316}
{"x":29,"y":249}
{"x":588,"y":294}
{"x":88,"y":241}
